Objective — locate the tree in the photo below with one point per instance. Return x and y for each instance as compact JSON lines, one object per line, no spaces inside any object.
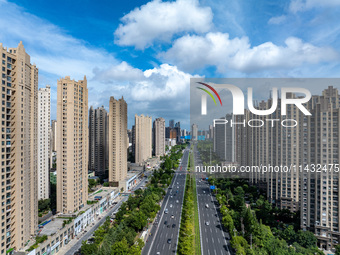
{"x":120,"y":248}
{"x":306,"y":239}
{"x":228,"y":222}
{"x":240,"y":245}
{"x":44,"y":204}
{"x":289,"y":234}
{"x":88,"y":249}
{"x":337,"y":250}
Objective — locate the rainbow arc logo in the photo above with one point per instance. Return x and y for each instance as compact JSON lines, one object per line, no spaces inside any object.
{"x":209,"y":93}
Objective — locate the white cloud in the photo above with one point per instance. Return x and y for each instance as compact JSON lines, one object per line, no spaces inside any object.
{"x":120,"y":72}
{"x":165,"y":82}
{"x":159,"y":21}
{"x":217,"y":49}
{"x":52,"y":49}
{"x":277,"y":20}
{"x":159,"y":91}
{"x":303,"y":5}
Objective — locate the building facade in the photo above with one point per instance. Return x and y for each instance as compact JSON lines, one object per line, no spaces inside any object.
{"x":118,"y":141}
{"x":143,"y":138}
{"x":44,"y":147}
{"x":72,"y":144}
{"x":54,"y":135}
{"x":159,"y":137}
{"x":19,"y":125}
{"x":194,"y":132}
{"x":98,"y":140}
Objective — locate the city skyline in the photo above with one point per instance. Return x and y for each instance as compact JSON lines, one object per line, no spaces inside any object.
{"x":148,"y":71}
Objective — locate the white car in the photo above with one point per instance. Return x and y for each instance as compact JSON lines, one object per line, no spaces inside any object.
{"x":207,"y":223}
{"x":177,"y":201}
{"x":170,"y":205}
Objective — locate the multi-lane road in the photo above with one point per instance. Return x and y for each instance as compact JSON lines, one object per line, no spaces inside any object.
{"x":214,"y":240}
{"x":165,"y":231}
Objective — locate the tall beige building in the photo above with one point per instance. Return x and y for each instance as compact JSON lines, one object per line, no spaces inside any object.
{"x":320,"y":189}
{"x":19,"y":126}
{"x":72,"y":144}
{"x":159,"y":137}
{"x":44,"y":147}
{"x":118,"y":141}
{"x":143,"y":138}
{"x":54,"y":135}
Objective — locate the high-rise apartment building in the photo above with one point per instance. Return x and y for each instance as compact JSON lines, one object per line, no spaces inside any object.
{"x":72,"y":144}
{"x":97,"y":140}
{"x":224,"y":140}
{"x":44,"y":131}
{"x":194,"y":132}
{"x":171,"y":123}
{"x":19,"y":127}
{"x":143,"y":138}
{"x":159,"y":137}
{"x":118,"y":141}
{"x":275,"y":145}
{"x":320,"y":189}
{"x":54,"y":135}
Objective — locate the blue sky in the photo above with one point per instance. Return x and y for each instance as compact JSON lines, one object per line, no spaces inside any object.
{"x":147,"y":51}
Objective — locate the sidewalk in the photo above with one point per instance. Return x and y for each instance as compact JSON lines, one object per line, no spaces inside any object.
{"x":88,"y":228}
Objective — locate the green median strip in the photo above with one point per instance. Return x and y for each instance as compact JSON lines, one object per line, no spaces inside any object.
{"x":189,"y":235}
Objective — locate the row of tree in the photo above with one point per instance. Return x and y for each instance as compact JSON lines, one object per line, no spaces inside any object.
{"x":133,"y":216}
{"x":246,"y":222}
{"x":186,"y":244}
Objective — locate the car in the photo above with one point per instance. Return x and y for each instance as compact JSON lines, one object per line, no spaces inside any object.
{"x":177,"y":201}
{"x":206,"y":206}
{"x":171,"y":196}
{"x":177,"y":187}
{"x":170,"y":205}
{"x":158,"y":253}
{"x":177,"y":183}
{"x":173,"y":225}
{"x":175,"y":194}
{"x":207,"y":223}
{"x":168,"y":226}
{"x":165,"y":222}
{"x":172,"y":216}
{"x":203,"y":191}
{"x":169,"y":241}
{"x":166,"y":211}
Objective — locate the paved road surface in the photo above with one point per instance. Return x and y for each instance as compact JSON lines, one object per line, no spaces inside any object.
{"x":161,"y":232}
{"x":214,"y":240}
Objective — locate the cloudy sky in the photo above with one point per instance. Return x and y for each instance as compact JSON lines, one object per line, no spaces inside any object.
{"x":147,"y":51}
